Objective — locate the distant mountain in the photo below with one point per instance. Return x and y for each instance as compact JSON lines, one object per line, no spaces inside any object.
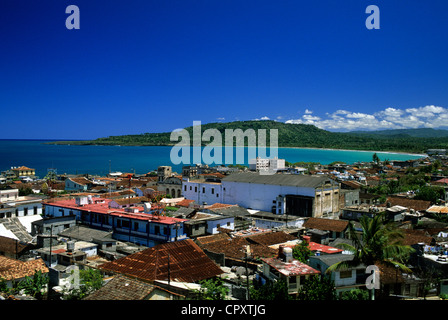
{"x":416,"y":133}
{"x":297,"y":135}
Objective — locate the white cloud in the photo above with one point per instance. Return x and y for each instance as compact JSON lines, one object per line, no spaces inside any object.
{"x":390,"y":118}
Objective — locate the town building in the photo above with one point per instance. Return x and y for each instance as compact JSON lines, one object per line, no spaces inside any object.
{"x":13,"y":271}
{"x":77,"y":184}
{"x":299,"y":195}
{"x":23,"y":172}
{"x":133,"y":224}
{"x":13,"y":205}
{"x":171,"y":186}
{"x":285,"y":267}
{"x":266,"y":164}
{"x":180,"y":261}
{"x":345,"y":279}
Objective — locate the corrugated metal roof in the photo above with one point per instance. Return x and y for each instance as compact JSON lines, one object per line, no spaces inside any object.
{"x":278,"y":179}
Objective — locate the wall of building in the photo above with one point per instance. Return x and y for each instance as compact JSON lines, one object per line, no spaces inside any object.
{"x":203,"y":192}
{"x":259,"y":196}
{"x":213,"y":225}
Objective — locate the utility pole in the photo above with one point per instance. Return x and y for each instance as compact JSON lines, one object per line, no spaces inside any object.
{"x":51,"y":241}
{"x":247,"y":253}
{"x":169,"y":270}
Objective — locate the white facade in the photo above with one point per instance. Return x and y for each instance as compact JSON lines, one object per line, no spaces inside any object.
{"x":213,"y":225}
{"x":265,"y":164}
{"x":202,"y":192}
{"x":260,"y":196}
{"x":307,"y":195}
{"x":13,"y":205}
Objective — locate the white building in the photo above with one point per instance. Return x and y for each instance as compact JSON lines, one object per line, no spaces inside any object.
{"x":202,"y":191}
{"x":264,"y":164}
{"x":300,"y":195}
{"x":12,"y":205}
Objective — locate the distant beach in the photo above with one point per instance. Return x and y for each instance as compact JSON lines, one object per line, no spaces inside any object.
{"x":98,"y":160}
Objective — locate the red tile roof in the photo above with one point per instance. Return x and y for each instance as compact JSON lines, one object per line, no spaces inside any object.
{"x":187,"y":263}
{"x":11,"y":269}
{"x":101,"y":205}
{"x":235,"y":247}
{"x":314,"y":246}
{"x":219,"y":205}
{"x":326,"y":224}
{"x":272,"y":238}
{"x":417,"y":205}
{"x":294,"y":268}
{"x":184,"y":203}
{"x":22,"y":168}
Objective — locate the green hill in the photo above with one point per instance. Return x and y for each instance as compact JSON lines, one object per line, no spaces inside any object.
{"x":416,"y":133}
{"x":289,"y":135}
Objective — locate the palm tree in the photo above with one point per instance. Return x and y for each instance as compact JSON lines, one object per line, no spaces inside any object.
{"x":380,"y":243}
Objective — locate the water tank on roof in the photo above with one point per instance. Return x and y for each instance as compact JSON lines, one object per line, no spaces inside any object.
{"x":147,"y":206}
{"x":80,"y":201}
{"x":70,"y":246}
{"x":287,"y":251}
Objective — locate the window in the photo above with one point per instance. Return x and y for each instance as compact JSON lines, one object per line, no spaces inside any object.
{"x":195,"y":189}
{"x":213,"y":190}
{"x":203,"y":190}
{"x":185,"y":188}
{"x":135,"y":226}
{"x":157,"y":228}
{"x":25,"y":211}
{"x":345,"y":274}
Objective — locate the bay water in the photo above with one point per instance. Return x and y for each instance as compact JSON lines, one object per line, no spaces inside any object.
{"x":96,"y":159}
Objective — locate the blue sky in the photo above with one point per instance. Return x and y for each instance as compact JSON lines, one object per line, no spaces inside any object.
{"x":157,"y":65}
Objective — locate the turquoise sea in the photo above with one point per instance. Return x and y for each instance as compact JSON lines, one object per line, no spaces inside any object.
{"x":73,"y":159}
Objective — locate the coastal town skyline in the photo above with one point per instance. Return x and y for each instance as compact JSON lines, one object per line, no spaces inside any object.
{"x":128,"y":65}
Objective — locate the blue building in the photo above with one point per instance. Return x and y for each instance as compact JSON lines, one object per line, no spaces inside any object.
{"x":129,"y":224}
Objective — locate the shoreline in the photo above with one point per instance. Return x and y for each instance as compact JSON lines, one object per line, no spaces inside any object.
{"x":350,"y":150}
{"x":423,"y":155}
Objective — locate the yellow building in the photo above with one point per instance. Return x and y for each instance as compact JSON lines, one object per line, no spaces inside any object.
{"x":23,"y":171}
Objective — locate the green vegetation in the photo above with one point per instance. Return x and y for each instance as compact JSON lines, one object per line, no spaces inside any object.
{"x":289,"y":135}
{"x":271,"y":290}
{"x":35,"y":286}
{"x":212,"y":289}
{"x":317,"y":288}
{"x":90,"y":281}
{"x":381,"y":243}
{"x":415,"y":179}
{"x":355,"y":294}
{"x":302,"y":252}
